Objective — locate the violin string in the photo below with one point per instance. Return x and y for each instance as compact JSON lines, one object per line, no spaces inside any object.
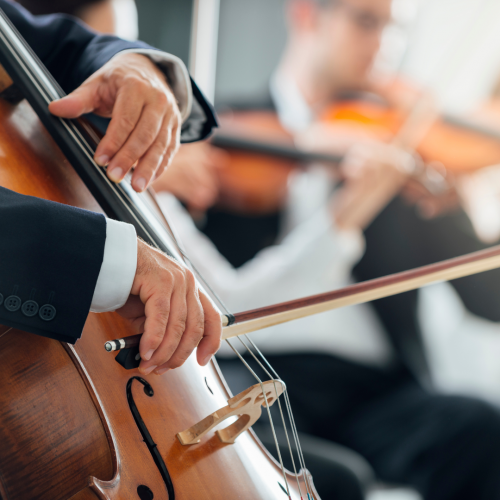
{"x":249,"y":368}
{"x":291,"y":418}
{"x":280,"y":409}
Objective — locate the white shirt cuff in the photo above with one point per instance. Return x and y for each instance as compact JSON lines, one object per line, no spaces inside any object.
{"x":118,"y":267}
{"x":177,"y":75}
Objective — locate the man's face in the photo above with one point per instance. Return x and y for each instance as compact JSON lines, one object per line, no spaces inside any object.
{"x":347,"y":38}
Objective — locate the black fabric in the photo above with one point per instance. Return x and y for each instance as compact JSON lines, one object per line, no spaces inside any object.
{"x":72,"y":7}
{"x":398,"y":240}
{"x":239,"y":237}
{"x":73,"y":52}
{"x":194,"y":129}
{"x":52,"y":254}
{"x":446,"y":447}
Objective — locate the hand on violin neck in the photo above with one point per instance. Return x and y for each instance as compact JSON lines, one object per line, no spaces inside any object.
{"x":144,"y":131}
{"x":374,"y":173}
{"x":173,"y":315}
{"x":193,"y":176}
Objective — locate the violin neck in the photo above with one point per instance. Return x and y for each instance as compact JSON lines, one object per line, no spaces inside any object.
{"x":274,"y":149}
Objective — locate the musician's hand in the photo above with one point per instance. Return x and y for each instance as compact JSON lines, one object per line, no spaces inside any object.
{"x":192,"y":176}
{"x":429,"y":202}
{"x":145,"y":121}
{"x":174,"y":315}
{"x":374,"y":173}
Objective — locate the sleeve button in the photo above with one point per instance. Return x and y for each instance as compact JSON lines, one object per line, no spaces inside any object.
{"x":12,"y":303}
{"x":47,"y":312}
{"x":30,"y":308}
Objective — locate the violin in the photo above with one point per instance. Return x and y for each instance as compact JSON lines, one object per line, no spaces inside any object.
{"x":75,"y":423}
{"x":262,"y":154}
{"x":460,"y":145}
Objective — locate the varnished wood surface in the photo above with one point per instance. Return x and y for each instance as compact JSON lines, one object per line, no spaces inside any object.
{"x":71,"y":430}
{"x":46,"y":419}
{"x":86,"y":494}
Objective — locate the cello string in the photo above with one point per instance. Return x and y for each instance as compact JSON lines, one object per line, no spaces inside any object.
{"x":280,"y":409}
{"x":290,"y":416}
{"x":181,"y":248}
{"x":170,"y":228}
{"x":289,"y":411}
{"x":183,"y":252}
{"x":6,"y":332}
{"x":249,"y":368}
{"x":291,"y":419}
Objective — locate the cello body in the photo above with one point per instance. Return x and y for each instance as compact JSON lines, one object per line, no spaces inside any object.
{"x":67,"y":425}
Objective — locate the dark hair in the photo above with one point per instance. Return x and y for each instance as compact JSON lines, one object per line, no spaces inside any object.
{"x":52,"y":6}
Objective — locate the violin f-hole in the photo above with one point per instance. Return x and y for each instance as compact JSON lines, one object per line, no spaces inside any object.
{"x":248,"y":405}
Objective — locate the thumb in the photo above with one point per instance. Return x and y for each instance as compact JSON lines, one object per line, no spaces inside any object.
{"x":81,"y":101}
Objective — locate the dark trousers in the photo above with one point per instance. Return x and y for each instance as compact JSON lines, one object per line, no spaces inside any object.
{"x":398,"y":240}
{"x":446,"y":447}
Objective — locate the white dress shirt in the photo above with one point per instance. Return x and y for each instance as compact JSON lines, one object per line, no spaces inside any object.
{"x":312,"y":257}
{"x":120,"y":251}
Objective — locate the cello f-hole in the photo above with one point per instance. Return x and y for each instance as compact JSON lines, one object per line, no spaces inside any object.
{"x":145,"y":493}
{"x":153,"y":449}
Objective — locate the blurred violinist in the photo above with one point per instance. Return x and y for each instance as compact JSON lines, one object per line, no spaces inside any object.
{"x":357,"y":376}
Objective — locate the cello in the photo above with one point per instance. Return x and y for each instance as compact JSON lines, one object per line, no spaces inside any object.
{"x":74,"y":423}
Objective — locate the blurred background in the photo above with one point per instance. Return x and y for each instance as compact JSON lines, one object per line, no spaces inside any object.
{"x":245,"y":41}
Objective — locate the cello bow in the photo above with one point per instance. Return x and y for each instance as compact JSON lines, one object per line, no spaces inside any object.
{"x":359,"y":293}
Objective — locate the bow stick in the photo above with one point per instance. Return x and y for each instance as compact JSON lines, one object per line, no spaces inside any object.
{"x":359,"y":293}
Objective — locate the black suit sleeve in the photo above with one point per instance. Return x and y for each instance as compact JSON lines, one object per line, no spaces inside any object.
{"x":73,"y":52}
{"x":51,"y":256}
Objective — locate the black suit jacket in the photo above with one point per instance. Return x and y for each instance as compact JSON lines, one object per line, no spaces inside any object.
{"x":72,"y":53}
{"x":51,"y":254}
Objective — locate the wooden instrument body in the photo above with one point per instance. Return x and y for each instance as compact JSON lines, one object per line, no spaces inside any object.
{"x":460,"y":146}
{"x":251,"y":182}
{"x":66,"y":427}
{"x":256,"y":183}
